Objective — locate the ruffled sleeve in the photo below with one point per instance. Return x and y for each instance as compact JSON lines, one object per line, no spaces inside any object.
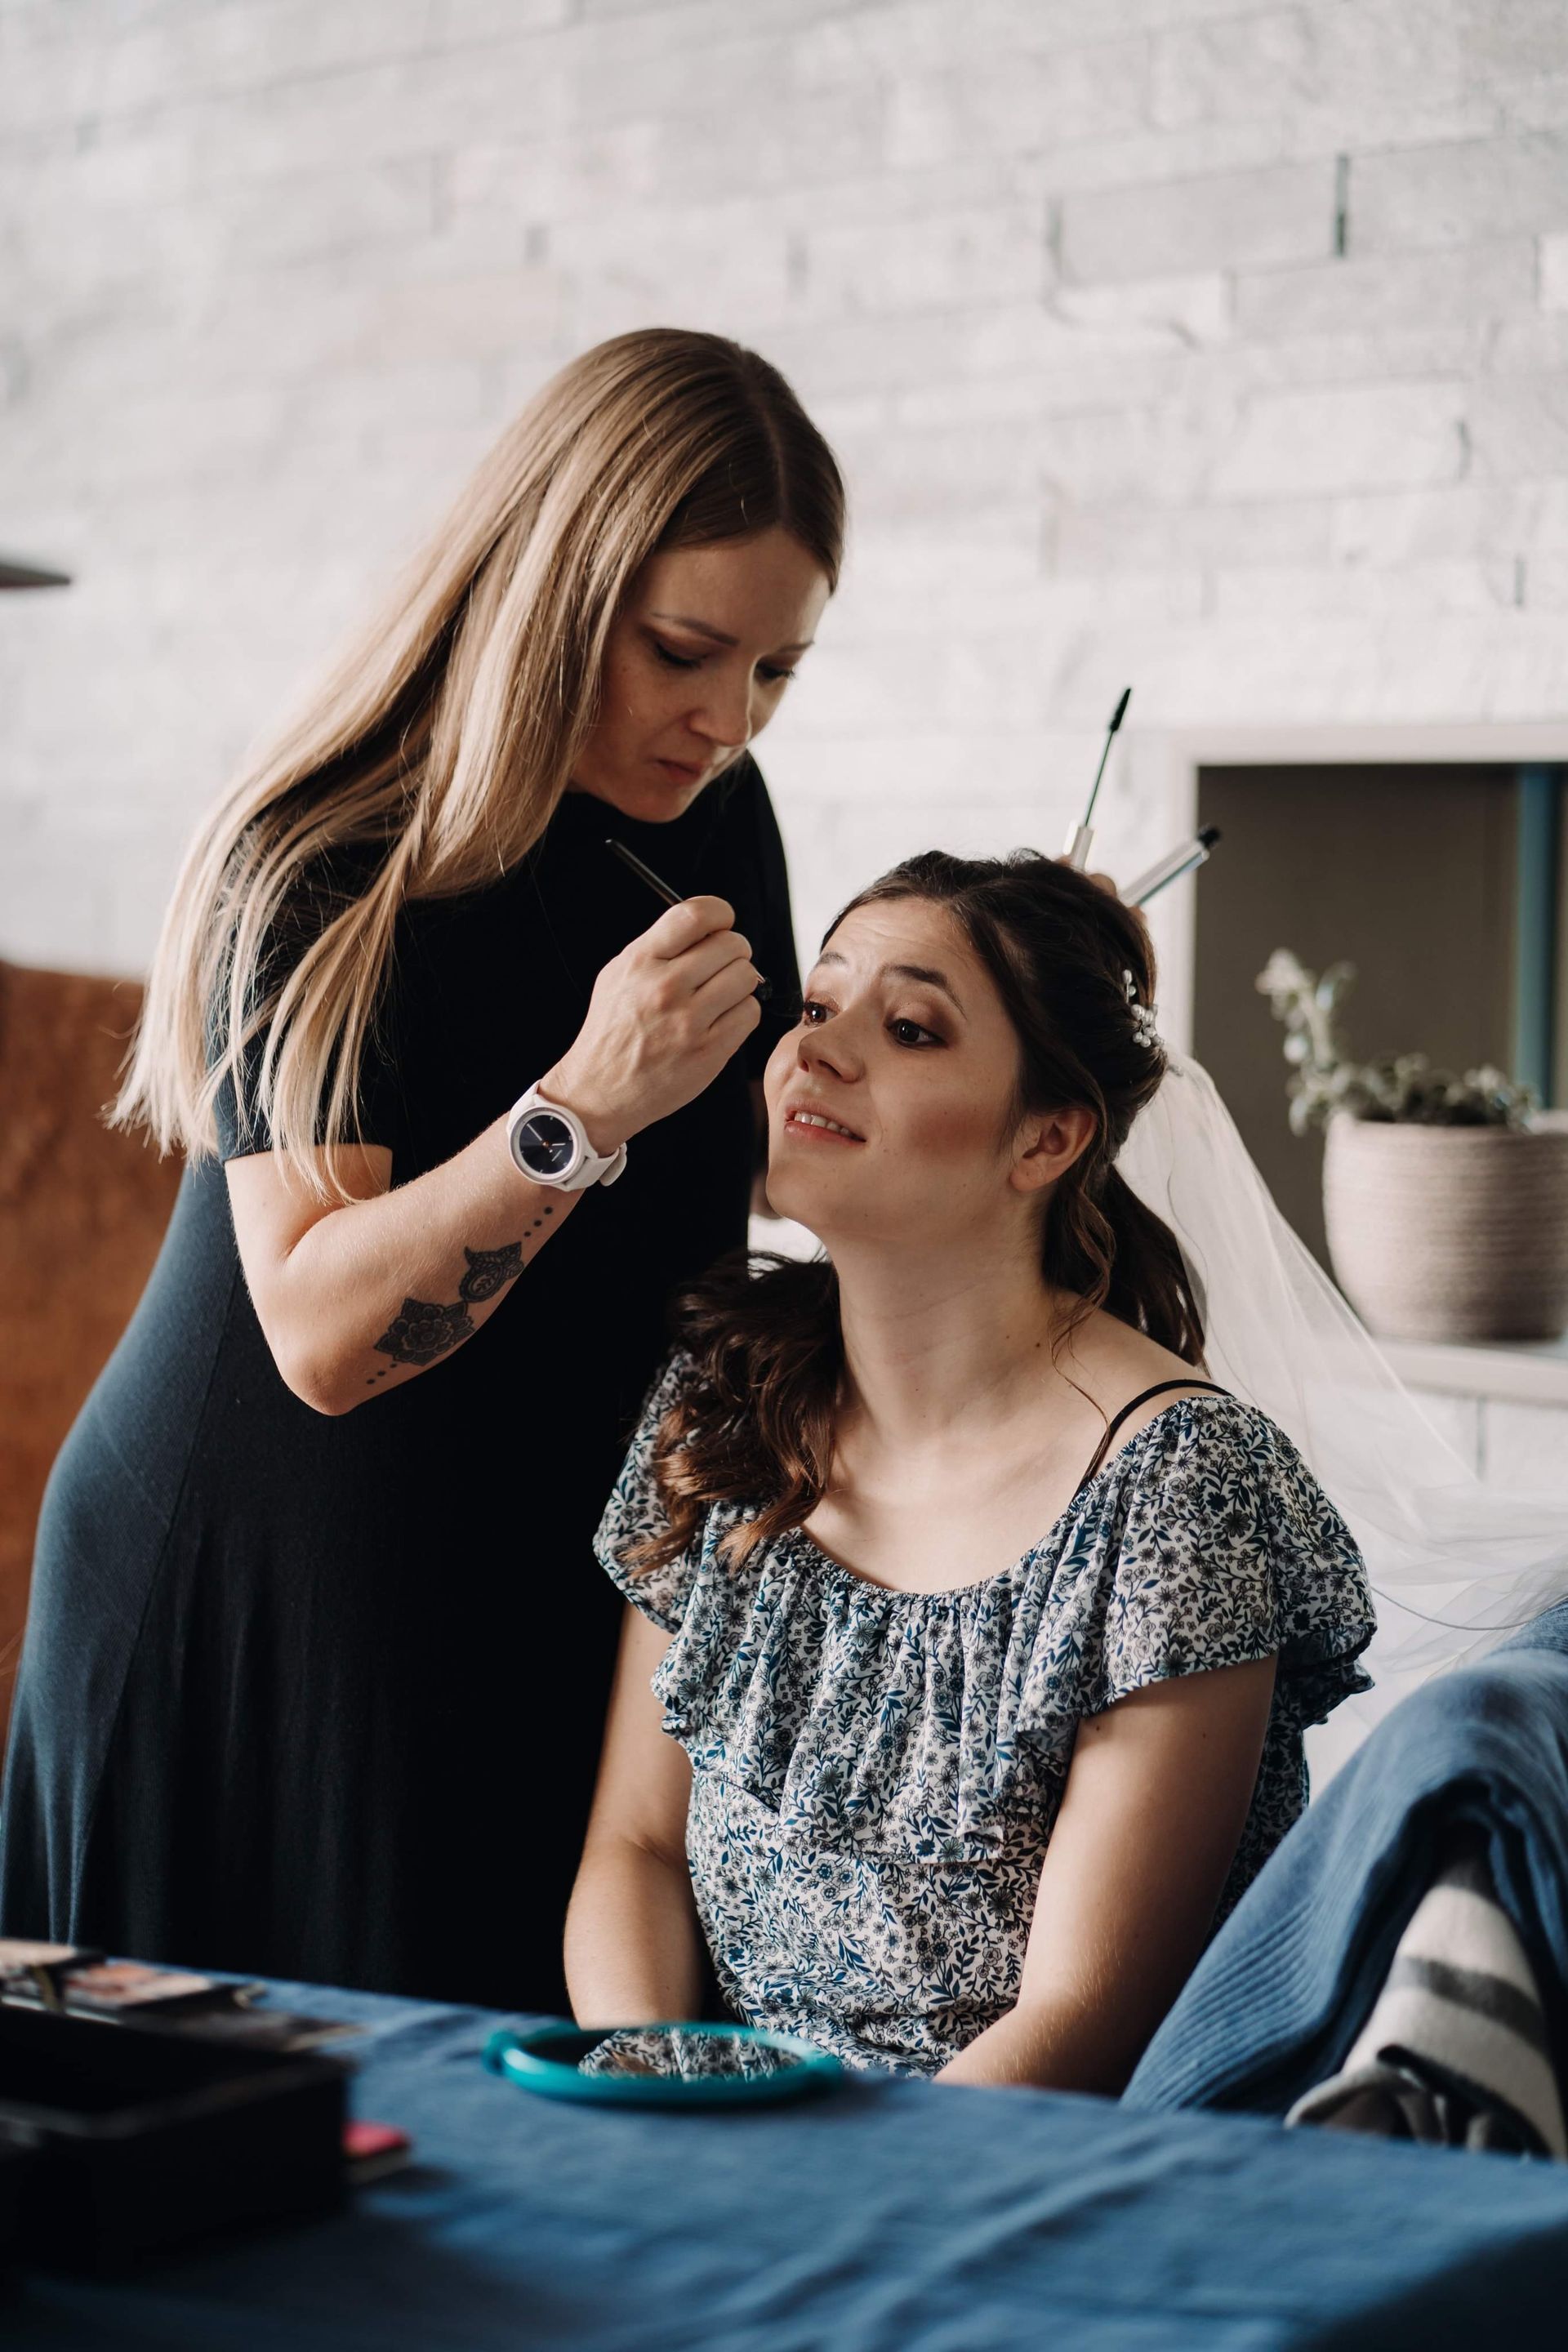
{"x":635,"y":1511}
{"x":1211,"y":1545}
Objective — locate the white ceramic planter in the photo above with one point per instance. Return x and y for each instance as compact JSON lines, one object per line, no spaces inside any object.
{"x":1449,"y":1232}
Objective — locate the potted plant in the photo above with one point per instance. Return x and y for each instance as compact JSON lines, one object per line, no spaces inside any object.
{"x":1445,"y":1200}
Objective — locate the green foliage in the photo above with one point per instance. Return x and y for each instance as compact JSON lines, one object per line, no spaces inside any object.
{"x":1406,"y":1089}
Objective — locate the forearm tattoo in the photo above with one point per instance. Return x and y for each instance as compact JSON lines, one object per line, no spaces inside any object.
{"x":422,"y":1331}
{"x":489,"y":1271}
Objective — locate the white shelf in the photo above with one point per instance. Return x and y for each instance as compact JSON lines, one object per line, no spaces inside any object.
{"x":1518,"y":1372}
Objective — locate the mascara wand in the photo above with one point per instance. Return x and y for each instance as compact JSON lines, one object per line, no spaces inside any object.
{"x":1081,"y":838}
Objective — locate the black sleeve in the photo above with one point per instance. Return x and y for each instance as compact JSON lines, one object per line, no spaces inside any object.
{"x":759,"y":891}
{"x":241,"y":1128}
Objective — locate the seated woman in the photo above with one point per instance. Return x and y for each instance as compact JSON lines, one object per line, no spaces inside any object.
{"x":973,"y":1631}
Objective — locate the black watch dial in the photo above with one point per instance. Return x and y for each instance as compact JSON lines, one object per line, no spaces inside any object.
{"x":545,"y":1145}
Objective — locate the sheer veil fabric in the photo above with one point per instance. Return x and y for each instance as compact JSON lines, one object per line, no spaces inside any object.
{"x":1455,"y":1565}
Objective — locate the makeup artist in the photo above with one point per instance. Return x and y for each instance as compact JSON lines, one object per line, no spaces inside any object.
{"x":318,"y":1657}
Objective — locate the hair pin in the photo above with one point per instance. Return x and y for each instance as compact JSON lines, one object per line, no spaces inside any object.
{"x":1143,"y":1024}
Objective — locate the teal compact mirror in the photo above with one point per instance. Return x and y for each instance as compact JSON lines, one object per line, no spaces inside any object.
{"x":675,"y":2065}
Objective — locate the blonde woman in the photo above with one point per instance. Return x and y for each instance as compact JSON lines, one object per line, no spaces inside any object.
{"x":317,"y":1661}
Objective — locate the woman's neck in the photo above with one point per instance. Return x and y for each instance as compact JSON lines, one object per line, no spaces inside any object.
{"x":934,"y":1344}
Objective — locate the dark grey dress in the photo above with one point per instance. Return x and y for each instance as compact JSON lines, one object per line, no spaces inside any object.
{"x":322,"y":1698}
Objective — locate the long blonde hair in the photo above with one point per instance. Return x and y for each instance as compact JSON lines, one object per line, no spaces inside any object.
{"x":434,"y":755}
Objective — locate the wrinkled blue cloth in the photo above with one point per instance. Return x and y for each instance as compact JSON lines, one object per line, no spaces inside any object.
{"x":1282,"y":1992}
{"x":892,"y":2216}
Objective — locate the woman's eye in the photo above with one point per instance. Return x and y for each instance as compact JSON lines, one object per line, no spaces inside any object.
{"x":673,"y":660}
{"x":813,"y":1012}
{"x":772,"y":672}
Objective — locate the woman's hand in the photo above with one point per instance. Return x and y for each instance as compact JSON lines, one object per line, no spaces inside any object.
{"x":665,"y":1016}
{"x":358,"y":1298}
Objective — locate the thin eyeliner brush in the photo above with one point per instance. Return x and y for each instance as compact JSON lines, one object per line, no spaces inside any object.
{"x":661,"y":890}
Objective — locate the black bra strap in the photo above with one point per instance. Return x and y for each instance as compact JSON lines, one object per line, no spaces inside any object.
{"x":1132,"y":1405}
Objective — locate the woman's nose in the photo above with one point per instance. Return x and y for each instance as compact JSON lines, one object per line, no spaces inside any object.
{"x":830,"y":1047}
{"x":728,"y":716}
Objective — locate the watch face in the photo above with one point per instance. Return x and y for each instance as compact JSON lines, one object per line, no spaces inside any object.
{"x":545,"y":1144}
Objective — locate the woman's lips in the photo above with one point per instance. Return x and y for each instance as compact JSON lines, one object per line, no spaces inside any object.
{"x":813,"y":1127}
{"x":679,"y":771}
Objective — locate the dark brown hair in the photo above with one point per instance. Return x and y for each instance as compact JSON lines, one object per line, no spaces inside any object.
{"x":756,"y":1426}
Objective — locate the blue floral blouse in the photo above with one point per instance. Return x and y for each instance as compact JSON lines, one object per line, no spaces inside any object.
{"x":875,"y":1773}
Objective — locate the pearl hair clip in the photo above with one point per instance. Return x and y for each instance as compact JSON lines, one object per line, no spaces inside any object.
{"x":1144,"y":1028}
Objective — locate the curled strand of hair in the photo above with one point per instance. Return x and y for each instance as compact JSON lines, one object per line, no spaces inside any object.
{"x":756,"y":1427}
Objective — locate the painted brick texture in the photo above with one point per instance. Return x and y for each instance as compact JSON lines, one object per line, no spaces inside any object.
{"x":1216,"y":347}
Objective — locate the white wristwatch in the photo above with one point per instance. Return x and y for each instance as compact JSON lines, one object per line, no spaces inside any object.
{"x":548,"y":1143}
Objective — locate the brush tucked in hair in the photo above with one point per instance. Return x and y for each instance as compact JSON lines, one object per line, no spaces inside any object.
{"x":755,"y":1424}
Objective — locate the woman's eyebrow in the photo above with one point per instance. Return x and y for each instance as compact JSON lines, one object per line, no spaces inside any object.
{"x":925,"y":971}
{"x":706,"y":629}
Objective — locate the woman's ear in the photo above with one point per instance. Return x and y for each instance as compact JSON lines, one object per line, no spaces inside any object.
{"x":1047,"y":1143}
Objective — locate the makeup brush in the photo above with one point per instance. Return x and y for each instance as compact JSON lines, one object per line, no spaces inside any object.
{"x":661,"y":890}
{"x":1076,"y":848}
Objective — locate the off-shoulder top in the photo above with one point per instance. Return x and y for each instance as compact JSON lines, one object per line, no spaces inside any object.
{"x":876,"y":1771}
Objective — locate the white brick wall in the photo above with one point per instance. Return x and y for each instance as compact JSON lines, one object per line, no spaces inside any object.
{"x":1216,"y":346}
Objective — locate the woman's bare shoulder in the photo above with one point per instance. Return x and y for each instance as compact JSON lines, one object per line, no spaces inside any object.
{"x":1116,"y":1364}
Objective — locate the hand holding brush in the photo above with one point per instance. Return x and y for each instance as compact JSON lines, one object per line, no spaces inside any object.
{"x":664,"y":1017}
{"x":661,"y":890}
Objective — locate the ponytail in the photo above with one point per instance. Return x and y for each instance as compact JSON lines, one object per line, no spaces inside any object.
{"x":1149,"y":1285}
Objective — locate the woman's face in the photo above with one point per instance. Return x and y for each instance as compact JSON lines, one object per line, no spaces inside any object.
{"x":904,"y":1043}
{"x":698,"y":659}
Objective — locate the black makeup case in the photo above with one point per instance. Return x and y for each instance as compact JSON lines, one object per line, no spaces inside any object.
{"x":15,"y":2158}
{"x":134,"y":2140}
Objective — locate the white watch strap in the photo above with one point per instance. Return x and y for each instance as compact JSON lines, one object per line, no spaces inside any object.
{"x":597,"y":1170}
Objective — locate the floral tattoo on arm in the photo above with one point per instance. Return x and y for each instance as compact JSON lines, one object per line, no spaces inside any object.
{"x":422,"y":1331}
{"x":489,"y":1272}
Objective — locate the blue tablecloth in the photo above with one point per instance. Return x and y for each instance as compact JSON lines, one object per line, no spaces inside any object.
{"x":890,"y":2217}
